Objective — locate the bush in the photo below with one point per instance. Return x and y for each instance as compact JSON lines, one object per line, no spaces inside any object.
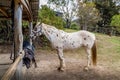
{"x":74,"y":26}
{"x":48,"y":16}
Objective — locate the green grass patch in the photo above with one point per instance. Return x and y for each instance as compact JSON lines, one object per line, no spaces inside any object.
{"x":70,"y":30}
{"x":115,"y":40}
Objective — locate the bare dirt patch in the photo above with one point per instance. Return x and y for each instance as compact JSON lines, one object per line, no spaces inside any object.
{"x":48,"y":63}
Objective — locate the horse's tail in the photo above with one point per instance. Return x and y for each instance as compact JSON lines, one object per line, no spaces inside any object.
{"x":94,"y":54}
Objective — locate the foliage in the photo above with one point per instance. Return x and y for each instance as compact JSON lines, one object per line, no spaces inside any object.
{"x":88,"y":14}
{"x":107,"y":9}
{"x":74,"y":26}
{"x":25,"y":24}
{"x":5,"y":31}
{"x":115,"y":21}
{"x":67,"y":7}
{"x":46,"y":15}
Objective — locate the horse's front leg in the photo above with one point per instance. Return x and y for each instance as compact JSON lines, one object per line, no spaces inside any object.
{"x":88,"y":51}
{"x":62,"y":60}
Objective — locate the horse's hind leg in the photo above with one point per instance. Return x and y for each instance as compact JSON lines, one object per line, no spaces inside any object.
{"x":61,"y":58}
{"x":88,"y":51}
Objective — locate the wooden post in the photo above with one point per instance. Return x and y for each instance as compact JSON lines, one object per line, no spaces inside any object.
{"x":18,"y":37}
{"x":30,"y":30}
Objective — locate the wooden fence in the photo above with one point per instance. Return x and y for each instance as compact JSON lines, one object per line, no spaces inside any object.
{"x":108,"y":31}
{"x":12,"y":71}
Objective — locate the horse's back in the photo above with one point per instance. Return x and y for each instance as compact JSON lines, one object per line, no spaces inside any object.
{"x":87,"y":34}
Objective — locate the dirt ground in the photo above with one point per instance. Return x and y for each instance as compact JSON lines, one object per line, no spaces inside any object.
{"x":48,"y":63}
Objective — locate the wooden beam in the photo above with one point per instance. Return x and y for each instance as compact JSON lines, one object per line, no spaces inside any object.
{"x":3,"y":12}
{"x":27,"y":8}
{"x":3,"y":18}
{"x":10,"y":72}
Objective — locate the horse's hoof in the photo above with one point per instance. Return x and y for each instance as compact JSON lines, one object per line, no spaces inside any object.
{"x":61,"y":69}
{"x":86,"y":68}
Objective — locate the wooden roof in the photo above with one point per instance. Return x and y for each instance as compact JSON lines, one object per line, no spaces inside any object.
{"x":30,"y":9}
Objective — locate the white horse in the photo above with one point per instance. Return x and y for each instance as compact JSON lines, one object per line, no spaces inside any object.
{"x":61,"y":40}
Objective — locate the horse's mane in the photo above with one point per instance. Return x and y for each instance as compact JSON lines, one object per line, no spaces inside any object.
{"x":53,"y":27}
{"x":48,"y":26}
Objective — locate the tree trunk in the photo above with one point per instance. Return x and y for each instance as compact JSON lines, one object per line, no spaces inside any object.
{"x":68,"y":23}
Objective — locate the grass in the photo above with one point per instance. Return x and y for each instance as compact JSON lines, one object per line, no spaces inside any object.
{"x":69,"y":30}
{"x":105,"y":41}
{"x":108,"y":49}
{"x":116,"y":41}
{"x":106,"y":44}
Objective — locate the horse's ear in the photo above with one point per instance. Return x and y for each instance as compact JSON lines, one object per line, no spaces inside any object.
{"x":38,"y":23}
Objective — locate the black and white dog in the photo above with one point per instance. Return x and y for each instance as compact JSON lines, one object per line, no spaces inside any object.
{"x":29,"y":56}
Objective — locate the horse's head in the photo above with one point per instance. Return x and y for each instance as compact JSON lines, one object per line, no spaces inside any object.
{"x":37,"y":31}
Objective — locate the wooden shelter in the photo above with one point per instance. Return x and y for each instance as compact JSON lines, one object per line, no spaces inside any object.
{"x":16,"y":11}
{"x":30,"y":9}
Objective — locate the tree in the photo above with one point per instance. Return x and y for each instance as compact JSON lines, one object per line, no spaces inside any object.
{"x":115,"y":21}
{"x":107,"y":8}
{"x":88,"y":14}
{"x":48,"y":16}
{"x":67,"y":7}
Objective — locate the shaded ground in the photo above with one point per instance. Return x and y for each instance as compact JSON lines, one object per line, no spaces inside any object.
{"x":4,"y":58}
{"x":4,"y":63}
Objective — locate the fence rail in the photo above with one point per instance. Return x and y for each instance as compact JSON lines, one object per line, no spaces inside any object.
{"x":12,"y":69}
{"x":109,"y":31}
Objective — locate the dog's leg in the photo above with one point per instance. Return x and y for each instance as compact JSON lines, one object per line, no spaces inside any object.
{"x":33,"y":60}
